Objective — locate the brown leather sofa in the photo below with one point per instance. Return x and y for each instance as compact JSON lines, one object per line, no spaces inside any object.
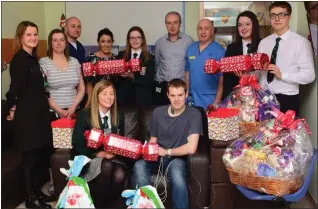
{"x":223,"y":193}
{"x":199,"y":177}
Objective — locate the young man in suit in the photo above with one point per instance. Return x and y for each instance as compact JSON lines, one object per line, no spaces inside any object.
{"x":291,"y":59}
{"x":204,"y":89}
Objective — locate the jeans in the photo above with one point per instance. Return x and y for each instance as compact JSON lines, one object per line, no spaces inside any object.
{"x":177,"y":175}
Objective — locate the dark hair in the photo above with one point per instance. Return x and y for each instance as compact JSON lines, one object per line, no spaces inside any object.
{"x":106,"y":32}
{"x":177,"y":83}
{"x":255,"y":30}
{"x":50,"y":39}
{"x":144,"y":47}
{"x":173,"y":13}
{"x":281,"y":4}
{"x":21,"y":28}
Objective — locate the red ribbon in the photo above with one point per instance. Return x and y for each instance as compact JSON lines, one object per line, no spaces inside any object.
{"x":287,"y":120}
{"x":249,"y":80}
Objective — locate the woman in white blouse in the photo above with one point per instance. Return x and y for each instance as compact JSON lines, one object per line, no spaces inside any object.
{"x":64,"y":77}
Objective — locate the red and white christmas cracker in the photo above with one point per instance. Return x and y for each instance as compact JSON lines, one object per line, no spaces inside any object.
{"x":241,"y":63}
{"x":94,"y":138}
{"x":111,"y":67}
{"x":123,"y":146}
{"x":151,"y":152}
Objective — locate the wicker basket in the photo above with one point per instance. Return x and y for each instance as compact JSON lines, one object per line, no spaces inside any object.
{"x":249,"y":127}
{"x":273,"y":186}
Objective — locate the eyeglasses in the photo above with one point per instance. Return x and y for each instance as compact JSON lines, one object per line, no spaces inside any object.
{"x":279,"y":15}
{"x":135,"y":38}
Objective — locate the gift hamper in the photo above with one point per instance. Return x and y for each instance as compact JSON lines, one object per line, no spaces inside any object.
{"x":253,"y":102}
{"x":275,"y":160}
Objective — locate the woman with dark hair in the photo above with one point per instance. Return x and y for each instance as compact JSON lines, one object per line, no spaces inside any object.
{"x":105,"y":40}
{"x":28,"y":103}
{"x":136,"y":88}
{"x":246,"y":42}
{"x":64,"y":77}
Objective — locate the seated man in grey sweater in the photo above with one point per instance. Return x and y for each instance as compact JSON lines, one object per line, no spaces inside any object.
{"x":176,"y":128}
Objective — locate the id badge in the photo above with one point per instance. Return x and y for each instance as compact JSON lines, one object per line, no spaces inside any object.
{"x":107,"y":131}
{"x":158,"y":89}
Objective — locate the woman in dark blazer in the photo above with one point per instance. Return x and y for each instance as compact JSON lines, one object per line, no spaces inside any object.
{"x":136,"y":88}
{"x":29,"y":108}
{"x":101,"y":114}
{"x":246,"y":42}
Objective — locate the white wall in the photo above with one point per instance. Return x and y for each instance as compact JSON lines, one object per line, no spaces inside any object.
{"x":119,"y":17}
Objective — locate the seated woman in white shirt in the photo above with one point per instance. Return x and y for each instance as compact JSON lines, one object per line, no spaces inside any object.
{"x":247,"y":40}
{"x":64,"y":77}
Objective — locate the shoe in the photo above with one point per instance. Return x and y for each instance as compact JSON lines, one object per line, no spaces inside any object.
{"x":42,"y":202}
{"x":30,"y":202}
{"x":45,"y":197}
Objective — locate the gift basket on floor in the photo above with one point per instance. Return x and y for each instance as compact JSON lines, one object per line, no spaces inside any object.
{"x":253,"y":102}
{"x":275,"y":160}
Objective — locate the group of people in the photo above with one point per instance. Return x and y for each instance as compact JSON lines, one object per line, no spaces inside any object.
{"x":53,"y":87}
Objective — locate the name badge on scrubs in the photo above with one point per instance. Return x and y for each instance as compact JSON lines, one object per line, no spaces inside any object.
{"x":107,"y":131}
{"x":192,"y":58}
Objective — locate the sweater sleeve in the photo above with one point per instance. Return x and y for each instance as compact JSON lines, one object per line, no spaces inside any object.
{"x":78,"y":140}
{"x":19,"y":76}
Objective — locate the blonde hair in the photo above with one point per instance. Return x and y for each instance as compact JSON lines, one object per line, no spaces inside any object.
{"x":94,"y":104}
{"x":17,"y":44}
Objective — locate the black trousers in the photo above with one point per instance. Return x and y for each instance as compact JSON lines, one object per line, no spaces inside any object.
{"x":288,"y":102}
{"x":35,"y":164}
{"x":160,"y":93}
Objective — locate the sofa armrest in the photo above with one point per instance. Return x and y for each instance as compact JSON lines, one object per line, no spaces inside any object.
{"x":221,"y":144}
{"x":59,"y":159}
{"x":199,"y":175}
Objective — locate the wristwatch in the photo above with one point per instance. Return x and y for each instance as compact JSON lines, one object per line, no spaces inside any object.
{"x":169,"y":152}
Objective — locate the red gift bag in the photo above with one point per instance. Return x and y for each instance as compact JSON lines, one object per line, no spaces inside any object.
{"x":62,"y":130}
{"x":88,"y":69}
{"x":94,"y":138}
{"x":123,"y":146}
{"x":151,"y":152}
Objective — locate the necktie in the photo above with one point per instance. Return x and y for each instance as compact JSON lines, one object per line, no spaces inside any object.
{"x":249,"y":48}
{"x":105,"y":124}
{"x":270,"y":76}
{"x":135,"y":55}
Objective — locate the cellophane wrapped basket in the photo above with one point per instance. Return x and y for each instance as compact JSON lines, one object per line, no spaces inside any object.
{"x":273,"y":162}
{"x":253,"y":102}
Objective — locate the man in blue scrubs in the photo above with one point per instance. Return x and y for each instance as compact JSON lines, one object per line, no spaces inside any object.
{"x":204,"y":89}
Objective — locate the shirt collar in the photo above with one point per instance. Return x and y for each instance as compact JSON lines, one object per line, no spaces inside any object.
{"x":168,"y":36}
{"x":138,"y":52}
{"x":102,"y":115}
{"x":284,"y":36}
{"x":245,"y":42}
